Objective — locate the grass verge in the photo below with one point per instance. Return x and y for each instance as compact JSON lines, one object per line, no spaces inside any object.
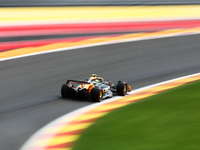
{"x":167,"y":121}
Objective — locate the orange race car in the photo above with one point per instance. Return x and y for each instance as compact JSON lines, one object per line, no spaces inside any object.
{"x":94,"y":88}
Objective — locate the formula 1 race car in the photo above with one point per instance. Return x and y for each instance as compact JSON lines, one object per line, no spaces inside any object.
{"x":94,"y":88}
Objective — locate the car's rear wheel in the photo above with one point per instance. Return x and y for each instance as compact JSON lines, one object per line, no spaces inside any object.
{"x":66,"y":92}
{"x":96,"y":94}
{"x":122,"y":88}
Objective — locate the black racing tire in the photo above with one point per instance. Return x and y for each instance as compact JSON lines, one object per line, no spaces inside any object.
{"x":66,"y":92}
{"x":122,"y":88}
{"x":96,"y":94}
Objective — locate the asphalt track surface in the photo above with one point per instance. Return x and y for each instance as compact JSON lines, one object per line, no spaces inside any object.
{"x":30,"y":87}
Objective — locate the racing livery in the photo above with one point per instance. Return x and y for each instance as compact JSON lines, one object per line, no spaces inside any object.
{"x":94,"y":88}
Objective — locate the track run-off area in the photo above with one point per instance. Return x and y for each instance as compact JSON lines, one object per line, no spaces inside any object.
{"x":30,"y":85}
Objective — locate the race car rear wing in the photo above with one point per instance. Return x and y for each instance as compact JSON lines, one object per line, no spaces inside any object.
{"x":77,"y":82}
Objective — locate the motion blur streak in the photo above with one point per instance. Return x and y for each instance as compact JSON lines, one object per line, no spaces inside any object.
{"x":101,"y":27}
{"x":40,"y":15}
{"x":21,"y":27}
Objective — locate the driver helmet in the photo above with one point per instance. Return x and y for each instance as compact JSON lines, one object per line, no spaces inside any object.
{"x":97,"y":81}
{"x":94,"y":75}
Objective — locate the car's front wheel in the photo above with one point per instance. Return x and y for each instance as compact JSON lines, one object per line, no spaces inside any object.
{"x":96,"y":94}
{"x":122,"y":88}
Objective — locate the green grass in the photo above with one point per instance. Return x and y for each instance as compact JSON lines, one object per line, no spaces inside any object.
{"x":167,"y":121}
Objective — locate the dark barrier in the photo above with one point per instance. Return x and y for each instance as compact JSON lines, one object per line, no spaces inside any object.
{"x":21,"y":3}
